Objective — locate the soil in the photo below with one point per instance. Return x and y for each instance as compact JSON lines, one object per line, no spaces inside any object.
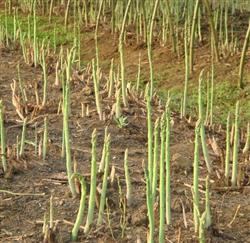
{"x":22,"y":215}
{"x":169,"y":67}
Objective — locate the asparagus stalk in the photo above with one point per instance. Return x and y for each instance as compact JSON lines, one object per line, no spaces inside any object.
{"x":2,"y":136}
{"x":235,"y":146}
{"x":91,"y":208}
{"x":105,"y":180}
{"x":79,"y":218}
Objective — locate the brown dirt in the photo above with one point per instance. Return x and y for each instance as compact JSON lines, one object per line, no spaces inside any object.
{"x":20,"y":216}
{"x":169,"y":68}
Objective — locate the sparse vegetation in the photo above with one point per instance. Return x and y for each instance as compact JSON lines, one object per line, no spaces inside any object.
{"x":163,"y":80}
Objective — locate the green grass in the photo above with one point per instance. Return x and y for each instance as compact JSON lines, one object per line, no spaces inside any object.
{"x":226,"y":95}
{"x":45,"y":30}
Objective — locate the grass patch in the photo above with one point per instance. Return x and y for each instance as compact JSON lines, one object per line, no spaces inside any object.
{"x":226,"y":95}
